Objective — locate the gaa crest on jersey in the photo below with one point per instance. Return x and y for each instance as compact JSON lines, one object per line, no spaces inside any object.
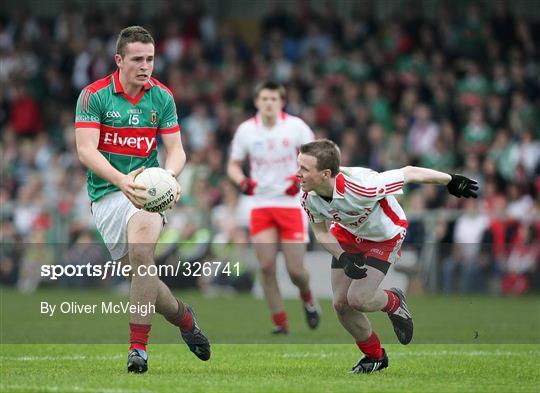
{"x":153,"y":117}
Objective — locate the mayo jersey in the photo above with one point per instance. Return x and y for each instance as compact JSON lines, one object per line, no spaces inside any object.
{"x":272,"y":154}
{"x":363,"y":203}
{"x":128,"y":126}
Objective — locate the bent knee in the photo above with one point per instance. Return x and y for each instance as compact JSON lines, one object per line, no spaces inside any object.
{"x":358,"y":301}
{"x":341,"y":306}
{"x":268,"y":268}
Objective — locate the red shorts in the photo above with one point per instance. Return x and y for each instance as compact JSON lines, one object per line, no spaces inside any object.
{"x":388,"y":250}
{"x":289,"y":221}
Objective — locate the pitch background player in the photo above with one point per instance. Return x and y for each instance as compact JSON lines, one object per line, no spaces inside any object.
{"x":367,"y":229}
{"x":270,"y":141}
{"x":118,"y":119}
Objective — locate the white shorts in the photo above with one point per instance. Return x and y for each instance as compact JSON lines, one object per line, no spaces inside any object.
{"x":111,"y":215}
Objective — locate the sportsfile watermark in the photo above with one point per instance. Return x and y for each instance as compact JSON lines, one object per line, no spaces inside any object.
{"x":112,"y":269}
{"x":76,"y":293}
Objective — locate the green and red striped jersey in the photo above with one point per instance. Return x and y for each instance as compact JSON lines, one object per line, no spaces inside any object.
{"x":128,"y":126}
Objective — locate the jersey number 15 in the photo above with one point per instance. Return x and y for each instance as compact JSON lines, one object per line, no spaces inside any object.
{"x":134,"y":119}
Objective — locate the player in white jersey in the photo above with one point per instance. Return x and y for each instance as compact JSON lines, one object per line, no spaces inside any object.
{"x":270,"y":141}
{"x":367,"y":228}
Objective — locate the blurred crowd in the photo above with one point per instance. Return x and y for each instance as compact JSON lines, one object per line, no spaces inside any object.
{"x":458,"y":91}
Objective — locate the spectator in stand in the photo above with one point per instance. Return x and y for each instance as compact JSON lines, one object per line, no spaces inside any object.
{"x":522,"y":262}
{"x":477,"y":134}
{"x":423,"y":133}
{"x":441,"y":90}
{"x":465,"y":269}
{"x":25,"y":114}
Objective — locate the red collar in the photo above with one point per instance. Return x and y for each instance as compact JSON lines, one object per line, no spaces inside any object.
{"x":119,"y":89}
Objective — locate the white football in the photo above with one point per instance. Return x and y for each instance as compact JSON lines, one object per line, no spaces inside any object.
{"x":160,"y":189}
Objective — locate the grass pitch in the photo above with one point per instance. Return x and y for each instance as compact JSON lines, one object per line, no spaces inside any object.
{"x":462,"y":344}
{"x":271,"y":368}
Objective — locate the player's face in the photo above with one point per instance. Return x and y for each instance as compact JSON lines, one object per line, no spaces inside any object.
{"x":310,"y":177}
{"x":269,"y":103}
{"x":137,"y":63}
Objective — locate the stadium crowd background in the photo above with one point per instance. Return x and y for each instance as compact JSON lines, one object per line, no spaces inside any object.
{"x":457,"y":90}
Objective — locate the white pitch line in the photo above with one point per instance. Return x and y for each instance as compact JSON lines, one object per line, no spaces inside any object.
{"x":321,"y":355}
{"x":78,"y":389}
{"x":308,"y":355}
{"x":465,"y":353}
{"x":48,"y":358}
{"x":422,"y":353}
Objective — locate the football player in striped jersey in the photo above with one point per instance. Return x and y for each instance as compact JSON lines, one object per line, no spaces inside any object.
{"x":367,"y":228}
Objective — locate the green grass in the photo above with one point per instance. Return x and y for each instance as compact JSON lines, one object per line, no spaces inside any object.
{"x":271,"y":368}
{"x":461,"y":344}
{"x":438,"y":320}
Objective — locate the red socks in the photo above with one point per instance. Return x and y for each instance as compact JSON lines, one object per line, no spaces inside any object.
{"x":371,"y":347}
{"x":306,"y":297}
{"x":185,"y":323}
{"x":280,"y":319}
{"x":138,"y":336}
{"x":393,"y":302}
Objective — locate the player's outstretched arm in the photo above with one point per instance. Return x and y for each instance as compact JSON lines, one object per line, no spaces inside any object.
{"x":457,"y":185}
{"x":87,"y":140}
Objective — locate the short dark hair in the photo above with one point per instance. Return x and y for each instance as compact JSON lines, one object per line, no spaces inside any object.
{"x":270,"y":85}
{"x":132,"y":34}
{"x":326,"y":152}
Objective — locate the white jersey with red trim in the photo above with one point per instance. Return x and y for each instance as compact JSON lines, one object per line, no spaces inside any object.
{"x":363,"y":203}
{"x":272,"y":154}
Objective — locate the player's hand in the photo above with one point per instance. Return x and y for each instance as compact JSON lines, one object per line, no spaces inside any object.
{"x":462,"y":186}
{"x":247,"y":186}
{"x":178,"y":188}
{"x":133,"y":191}
{"x":294,"y":188}
{"x":353,"y":265}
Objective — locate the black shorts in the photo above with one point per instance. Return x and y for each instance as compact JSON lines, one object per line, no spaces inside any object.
{"x":375,"y":263}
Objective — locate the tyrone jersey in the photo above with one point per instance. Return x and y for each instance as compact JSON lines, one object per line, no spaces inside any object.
{"x":128,"y":126}
{"x":272,"y":154}
{"x":363,"y":203}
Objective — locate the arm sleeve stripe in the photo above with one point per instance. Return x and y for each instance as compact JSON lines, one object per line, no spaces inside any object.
{"x":359,"y":187}
{"x":393,"y":189}
{"x":87,"y":124}
{"x":170,"y":130}
{"x":361,"y":193}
